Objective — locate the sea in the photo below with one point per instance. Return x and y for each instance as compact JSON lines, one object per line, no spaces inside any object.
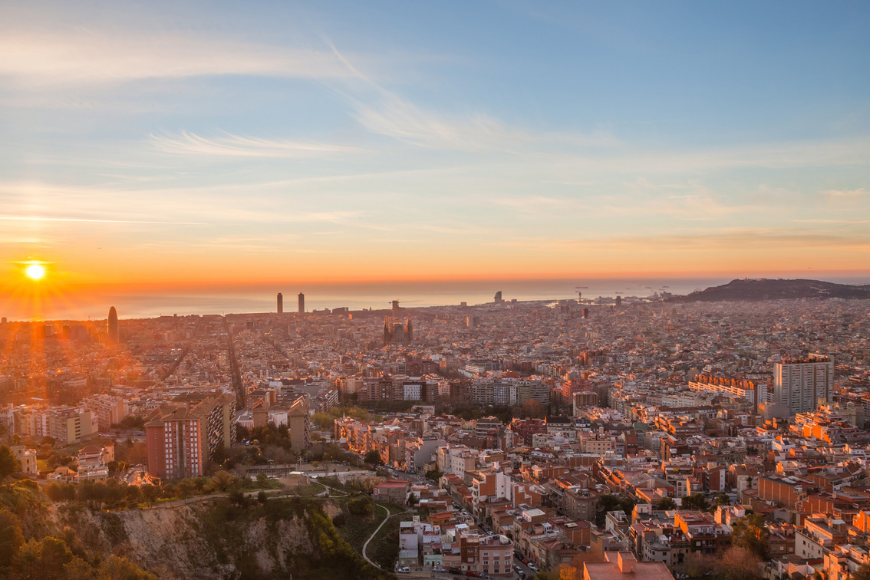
{"x":355,"y":296}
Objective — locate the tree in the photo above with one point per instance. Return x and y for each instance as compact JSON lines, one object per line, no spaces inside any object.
{"x":220,"y":454}
{"x":697,"y":565}
{"x":665,"y":504}
{"x":862,"y":573}
{"x":239,"y":498}
{"x":532,"y":409}
{"x":132,"y":494}
{"x":118,"y":568}
{"x":150,"y":493}
{"x":11,"y":538}
{"x":738,"y":563}
{"x":627,"y":504}
{"x":696,"y":501}
{"x":43,"y":560}
{"x":185,"y":488}
{"x":79,"y":569}
{"x":360,"y":506}
{"x":261,"y":497}
{"x":262,"y":480}
{"x":55,"y":491}
{"x":373,"y":457}
{"x":132,"y":422}
{"x":752,"y":534}
{"x":8,"y":463}
{"x":723,"y":499}
{"x":606,"y":503}
{"x":323,"y":420}
{"x":434,"y":475}
{"x":222,"y":480}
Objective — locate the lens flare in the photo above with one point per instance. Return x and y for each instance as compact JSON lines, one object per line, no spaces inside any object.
{"x":35,"y":271}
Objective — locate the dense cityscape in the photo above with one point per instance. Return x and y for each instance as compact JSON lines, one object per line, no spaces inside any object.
{"x":626,"y":435}
{"x":503,"y":289}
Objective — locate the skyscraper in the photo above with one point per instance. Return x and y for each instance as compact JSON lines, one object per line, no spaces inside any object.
{"x":112,"y":327}
{"x":301,"y":303}
{"x":498,"y":297}
{"x":800,"y":383}
{"x":280,"y":303}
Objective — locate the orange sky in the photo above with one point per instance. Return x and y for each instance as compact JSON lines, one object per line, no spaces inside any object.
{"x":147,"y":148}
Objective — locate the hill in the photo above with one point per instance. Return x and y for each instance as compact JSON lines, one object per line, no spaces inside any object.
{"x":210,"y":539}
{"x":766,"y":289}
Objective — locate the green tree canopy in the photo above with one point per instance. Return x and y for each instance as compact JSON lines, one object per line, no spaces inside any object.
{"x":43,"y":560}
{"x":665,"y":504}
{"x":696,"y":501}
{"x":8,"y":463}
{"x":373,"y":457}
{"x":11,"y":538}
{"x":752,"y":534}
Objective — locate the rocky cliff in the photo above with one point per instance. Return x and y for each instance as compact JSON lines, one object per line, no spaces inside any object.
{"x":216,"y":539}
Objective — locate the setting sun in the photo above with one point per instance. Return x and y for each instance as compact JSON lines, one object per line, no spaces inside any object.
{"x":35,"y":271}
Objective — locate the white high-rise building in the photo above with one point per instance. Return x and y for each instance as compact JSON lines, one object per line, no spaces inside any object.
{"x":799,"y":384}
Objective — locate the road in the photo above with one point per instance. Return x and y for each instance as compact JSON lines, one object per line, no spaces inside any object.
{"x":529,"y":572}
{"x":375,"y":533}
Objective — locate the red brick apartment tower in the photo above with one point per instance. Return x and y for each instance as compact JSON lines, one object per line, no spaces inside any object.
{"x":175,"y":445}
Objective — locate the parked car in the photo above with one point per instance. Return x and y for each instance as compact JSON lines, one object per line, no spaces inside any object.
{"x":532,"y":566}
{"x":404,"y":570}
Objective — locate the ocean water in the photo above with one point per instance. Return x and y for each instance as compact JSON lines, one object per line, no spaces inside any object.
{"x":356,"y":296}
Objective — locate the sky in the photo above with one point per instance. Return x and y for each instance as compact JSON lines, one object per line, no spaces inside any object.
{"x":192,"y":144}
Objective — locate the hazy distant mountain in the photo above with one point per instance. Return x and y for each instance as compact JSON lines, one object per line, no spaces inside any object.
{"x":764,"y":289}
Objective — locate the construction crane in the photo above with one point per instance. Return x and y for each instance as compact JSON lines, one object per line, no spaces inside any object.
{"x":579,"y":293}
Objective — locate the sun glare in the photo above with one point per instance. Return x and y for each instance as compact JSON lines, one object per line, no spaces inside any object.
{"x":35,"y":271}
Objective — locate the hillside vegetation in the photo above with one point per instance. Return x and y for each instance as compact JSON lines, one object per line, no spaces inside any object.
{"x":215,"y":538}
{"x":764,"y":289}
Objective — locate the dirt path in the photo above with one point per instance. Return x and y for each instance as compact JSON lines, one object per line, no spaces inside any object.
{"x":375,"y":533}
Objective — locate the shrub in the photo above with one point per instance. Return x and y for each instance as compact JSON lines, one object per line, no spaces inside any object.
{"x":360,"y":506}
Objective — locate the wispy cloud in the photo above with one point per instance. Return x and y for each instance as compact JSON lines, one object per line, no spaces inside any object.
{"x":724,"y":239}
{"x":239,"y":146}
{"x":391,"y":115}
{"x":684,"y":201}
{"x":120,"y":55}
{"x":398,"y":118}
{"x":21,"y":218}
{"x":847,"y":193}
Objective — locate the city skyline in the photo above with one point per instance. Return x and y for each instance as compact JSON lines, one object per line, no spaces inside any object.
{"x":581,"y":290}
{"x":144,"y":148}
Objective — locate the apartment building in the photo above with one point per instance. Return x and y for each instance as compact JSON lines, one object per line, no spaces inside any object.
{"x":799,"y":384}
{"x":182,"y":438}
{"x":108,"y":409}
{"x":491,"y":555}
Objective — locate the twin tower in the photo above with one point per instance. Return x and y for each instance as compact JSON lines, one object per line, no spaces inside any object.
{"x":301,"y":303}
